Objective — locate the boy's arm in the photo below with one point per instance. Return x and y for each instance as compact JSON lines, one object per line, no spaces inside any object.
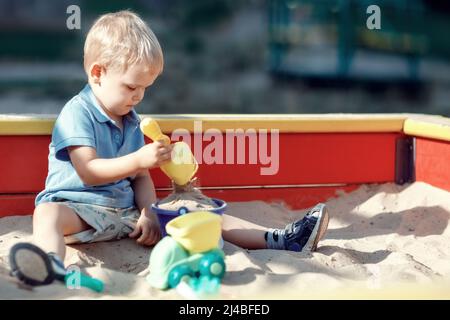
{"x":144,"y":191}
{"x":96,"y":171}
{"x":147,"y":228}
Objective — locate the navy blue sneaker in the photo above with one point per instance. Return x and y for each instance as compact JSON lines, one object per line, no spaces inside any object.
{"x":303,"y":235}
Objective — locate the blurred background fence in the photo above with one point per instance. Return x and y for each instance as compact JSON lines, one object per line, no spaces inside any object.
{"x":330,"y":39}
{"x":248,"y":56}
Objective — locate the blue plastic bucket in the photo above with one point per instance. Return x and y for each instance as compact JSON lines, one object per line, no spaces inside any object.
{"x":164,"y":216}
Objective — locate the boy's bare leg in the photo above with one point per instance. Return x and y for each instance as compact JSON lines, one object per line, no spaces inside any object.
{"x":51,"y":221}
{"x":243,"y":233}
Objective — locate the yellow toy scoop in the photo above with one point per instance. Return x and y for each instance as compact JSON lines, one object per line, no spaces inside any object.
{"x":183,"y":165}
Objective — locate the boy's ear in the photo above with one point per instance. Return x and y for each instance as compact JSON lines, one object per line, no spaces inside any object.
{"x":96,"y":72}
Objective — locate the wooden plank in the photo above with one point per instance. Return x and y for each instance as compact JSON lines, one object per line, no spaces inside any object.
{"x":16,"y":204}
{"x":24,"y":163}
{"x":433,"y":162}
{"x":294,"y":198}
{"x":304,"y":158}
{"x":42,"y":125}
{"x":308,"y":158}
{"x":426,"y":126}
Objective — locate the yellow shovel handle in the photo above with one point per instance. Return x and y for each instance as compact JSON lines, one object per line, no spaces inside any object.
{"x":152,"y":130}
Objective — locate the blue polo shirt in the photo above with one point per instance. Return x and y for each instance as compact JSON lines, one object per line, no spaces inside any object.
{"x":82,"y":122}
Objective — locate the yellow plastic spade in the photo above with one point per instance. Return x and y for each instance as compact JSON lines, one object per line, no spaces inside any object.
{"x":183,"y":165}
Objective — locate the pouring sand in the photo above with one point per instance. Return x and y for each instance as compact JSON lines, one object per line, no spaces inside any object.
{"x":187,"y":196}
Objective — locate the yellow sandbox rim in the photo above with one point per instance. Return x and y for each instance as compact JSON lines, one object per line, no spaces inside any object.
{"x":435,"y":127}
{"x":428,"y":127}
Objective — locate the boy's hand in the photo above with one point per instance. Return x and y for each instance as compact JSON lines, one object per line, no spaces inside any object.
{"x":147,"y":229}
{"x":154,"y":155}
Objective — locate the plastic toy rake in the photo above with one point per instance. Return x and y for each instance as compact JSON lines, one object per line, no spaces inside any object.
{"x":32,"y":265}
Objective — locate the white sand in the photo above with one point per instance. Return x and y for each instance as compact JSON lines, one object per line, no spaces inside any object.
{"x":384,"y":241}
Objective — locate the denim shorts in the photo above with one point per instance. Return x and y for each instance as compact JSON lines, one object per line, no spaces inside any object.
{"x":107,"y":223}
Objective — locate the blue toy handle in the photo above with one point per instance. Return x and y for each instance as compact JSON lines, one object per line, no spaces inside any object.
{"x":74,"y":278}
{"x":91,"y":283}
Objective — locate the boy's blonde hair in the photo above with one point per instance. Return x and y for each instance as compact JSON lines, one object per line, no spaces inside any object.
{"x":121,"y":39}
